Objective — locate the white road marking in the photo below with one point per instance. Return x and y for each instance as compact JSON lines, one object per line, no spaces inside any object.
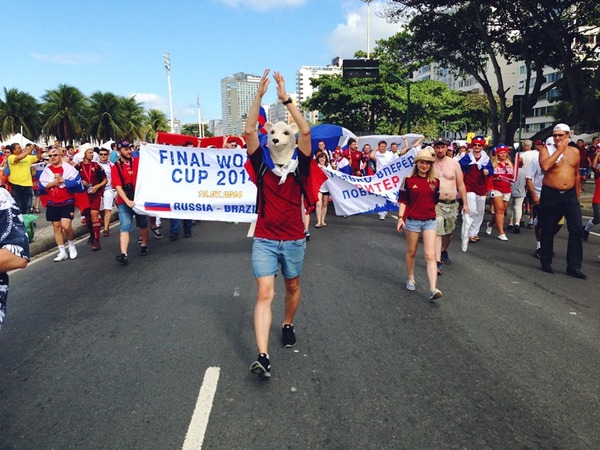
{"x":195,"y":434}
{"x":251,"y":229}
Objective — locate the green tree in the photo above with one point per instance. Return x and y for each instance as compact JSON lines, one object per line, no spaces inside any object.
{"x":132,"y":118}
{"x":64,"y":113}
{"x":104,"y":116}
{"x":469,"y":35}
{"x":154,"y":122}
{"x":19,"y":110}
{"x":191,"y":129}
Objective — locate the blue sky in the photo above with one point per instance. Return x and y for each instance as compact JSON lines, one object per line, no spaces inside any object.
{"x":118,"y":45}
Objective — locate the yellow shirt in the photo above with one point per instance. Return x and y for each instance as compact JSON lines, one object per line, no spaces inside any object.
{"x":20,"y":172}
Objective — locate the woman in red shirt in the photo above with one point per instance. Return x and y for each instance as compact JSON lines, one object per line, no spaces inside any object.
{"x":94,"y":179}
{"x":501,"y":187}
{"x":417,"y":201}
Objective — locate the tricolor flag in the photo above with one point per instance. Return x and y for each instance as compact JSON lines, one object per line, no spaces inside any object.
{"x":262,"y":119}
{"x":150,"y":206}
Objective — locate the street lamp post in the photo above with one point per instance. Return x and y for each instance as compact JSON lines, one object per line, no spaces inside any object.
{"x":168,"y":67}
{"x":368,"y":2}
{"x":200,"y":129}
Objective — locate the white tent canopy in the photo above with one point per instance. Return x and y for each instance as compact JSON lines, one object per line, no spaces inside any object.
{"x":107,"y":144}
{"x":18,"y":139}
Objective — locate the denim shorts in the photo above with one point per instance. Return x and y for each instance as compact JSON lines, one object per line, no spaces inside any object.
{"x":126,"y":218}
{"x":420,"y":225}
{"x":268,"y":254}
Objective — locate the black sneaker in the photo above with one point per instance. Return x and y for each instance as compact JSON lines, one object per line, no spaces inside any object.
{"x":511,"y":227}
{"x":262,"y":366}
{"x":157,"y":233}
{"x":288,"y":337}
{"x":517,"y":229}
{"x":586,"y":234}
{"x":144,"y":250}
{"x":122,"y":258}
{"x":307,"y":235}
{"x":439,"y":267}
{"x":173,"y":236}
{"x":445,"y":258}
{"x":537,"y":253}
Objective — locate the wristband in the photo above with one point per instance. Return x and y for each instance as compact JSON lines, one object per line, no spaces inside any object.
{"x":287,"y":102}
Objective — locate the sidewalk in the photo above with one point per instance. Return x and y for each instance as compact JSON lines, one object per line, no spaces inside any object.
{"x":43,"y":238}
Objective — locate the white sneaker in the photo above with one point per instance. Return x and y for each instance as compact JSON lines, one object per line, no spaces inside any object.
{"x":61,"y":256}
{"x":72,"y":252}
{"x":488,"y":228}
{"x":410,"y":285}
{"x":435,"y":294}
{"x":503,"y":237}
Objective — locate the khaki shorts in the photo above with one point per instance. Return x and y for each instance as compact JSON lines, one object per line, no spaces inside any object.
{"x":446,"y":217}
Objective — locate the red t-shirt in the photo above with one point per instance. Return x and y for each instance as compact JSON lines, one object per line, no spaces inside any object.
{"x":128,"y":171}
{"x":280,"y":215}
{"x":420,"y":196}
{"x":475,"y":180}
{"x":502,"y":173}
{"x":355,"y":157}
{"x":59,"y":196}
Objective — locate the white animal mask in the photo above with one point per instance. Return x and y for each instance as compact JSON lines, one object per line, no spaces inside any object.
{"x":282,"y":141}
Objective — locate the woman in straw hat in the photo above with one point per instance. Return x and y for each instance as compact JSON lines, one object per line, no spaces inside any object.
{"x":417,"y":201}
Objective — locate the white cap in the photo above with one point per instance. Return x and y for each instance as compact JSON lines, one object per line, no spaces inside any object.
{"x":550,"y":142}
{"x":85,"y":147}
{"x":562,"y":127}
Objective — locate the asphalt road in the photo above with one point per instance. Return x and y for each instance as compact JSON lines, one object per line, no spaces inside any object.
{"x":97,"y":355}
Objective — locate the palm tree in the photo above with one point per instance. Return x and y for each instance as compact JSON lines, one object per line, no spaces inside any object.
{"x":19,"y":109}
{"x":64,"y":113}
{"x":132,"y":119}
{"x":105,"y":116}
{"x":155,"y":121}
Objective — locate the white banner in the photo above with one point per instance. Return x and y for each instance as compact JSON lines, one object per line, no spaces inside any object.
{"x":376,"y":193}
{"x":195,"y":183}
{"x":212,"y":184}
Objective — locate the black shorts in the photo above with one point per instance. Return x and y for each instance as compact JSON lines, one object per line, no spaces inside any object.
{"x":56,"y":213}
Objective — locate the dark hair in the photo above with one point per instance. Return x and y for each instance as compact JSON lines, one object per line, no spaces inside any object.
{"x":351,"y":141}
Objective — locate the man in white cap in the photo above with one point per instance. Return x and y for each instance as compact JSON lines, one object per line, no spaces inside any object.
{"x":559,"y":197}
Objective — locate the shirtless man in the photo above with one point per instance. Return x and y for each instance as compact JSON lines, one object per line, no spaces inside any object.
{"x":448,"y":171}
{"x":559,"y":197}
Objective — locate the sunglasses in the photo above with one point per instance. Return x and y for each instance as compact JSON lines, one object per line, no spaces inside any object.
{"x":558,"y":135}
{"x":477,"y":145}
{"x":53,"y":155}
{"x":103,"y":154}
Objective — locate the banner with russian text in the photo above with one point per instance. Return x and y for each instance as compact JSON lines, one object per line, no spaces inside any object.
{"x":194,"y":183}
{"x":371,"y":194}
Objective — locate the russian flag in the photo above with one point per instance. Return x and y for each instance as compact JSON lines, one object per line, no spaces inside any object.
{"x":149,"y":206}
{"x":262,"y":119}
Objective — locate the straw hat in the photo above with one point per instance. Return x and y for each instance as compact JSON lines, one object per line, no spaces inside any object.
{"x":425,"y":155}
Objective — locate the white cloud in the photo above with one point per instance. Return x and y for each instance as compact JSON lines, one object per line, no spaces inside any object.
{"x":263,"y":5}
{"x":351,"y":36}
{"x":70,"y":58}
{"x":152,"y":101}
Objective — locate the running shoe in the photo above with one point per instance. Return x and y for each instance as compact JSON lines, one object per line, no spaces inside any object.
{"x":503,"y":237}
{"x":445,"y":257}
{"x":586,"y":234}
{"x":488,"y":228}
{"x":262,"y":366}
{"x":288,"y":336}
{"x":122,"y":258}
{"x":144,"y":250}
{"x":157,"y":233}
{"x":410,"y":285}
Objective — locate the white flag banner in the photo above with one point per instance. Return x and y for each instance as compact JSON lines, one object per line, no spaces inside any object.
{"x":370,"y":194}
{"x":195,"y":183}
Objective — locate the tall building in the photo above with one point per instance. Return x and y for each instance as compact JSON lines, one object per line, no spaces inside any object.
{"x":237,"y":93}
{"x":304,"y":90}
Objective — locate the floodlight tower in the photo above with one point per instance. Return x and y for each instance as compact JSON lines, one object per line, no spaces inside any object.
{"x":368,"y":2}
{"x":168,"y":67}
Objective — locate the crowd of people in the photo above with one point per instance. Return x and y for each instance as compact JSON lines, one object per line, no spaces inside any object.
{"x":537,"y":187}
